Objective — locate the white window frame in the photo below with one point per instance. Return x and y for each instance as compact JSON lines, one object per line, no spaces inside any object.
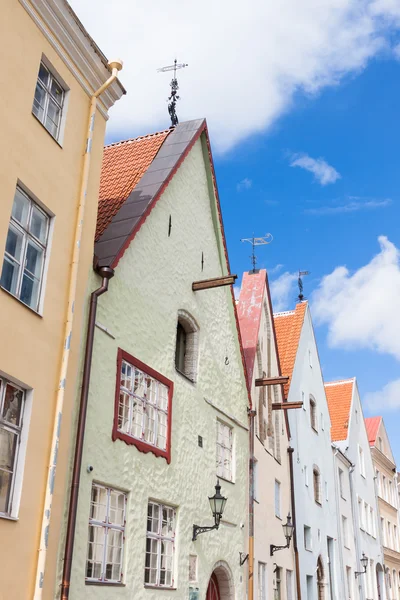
{"x":49,"y":95}
{"x":307,"y":533}
{"x":108,"y":527}
{"x":345,"y":528}
{"x":160,"y":538}
{"x":306,"y":475}
{"x":224,"y":448}
{"x":361,"y":460}
{"x":262,"y":581}
{"x":341,"y":477}
{"x":28,"y":236}
{"x":289,"y":584}
{"x":277,"y":495}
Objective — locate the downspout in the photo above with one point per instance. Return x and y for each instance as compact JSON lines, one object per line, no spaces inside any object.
{"x":296,"y":551}
{"x":106,"y":273}
{"x":338,"y":520}
{"x":69,"y":319}
{"x":252,"y":414}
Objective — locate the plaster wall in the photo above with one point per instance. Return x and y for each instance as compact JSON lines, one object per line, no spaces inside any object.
{"x":272,"y":465}
{"x":31,"y":343}
{"x":313,"y":448}
{"x":363,"y":490}
{"x":152,"y":283}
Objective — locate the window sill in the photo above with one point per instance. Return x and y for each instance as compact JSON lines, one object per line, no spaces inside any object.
{"x":182,"y":374}
{"x":104,"y":583}
{"x":35,"y":312}
{"x":159,"y":587}
{"x":318,"y":503}
{"x":278,"y":517}
{"x":227,"y":480}
{"x":315,"y":430}
{"x":8,"y":517}
{"x":48,"y":132}
{"x":142,"y":446}
{"x":308,"y":549}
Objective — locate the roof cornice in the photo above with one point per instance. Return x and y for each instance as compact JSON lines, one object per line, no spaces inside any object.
{"x":382,"y":459}
{"x":66,"y":34}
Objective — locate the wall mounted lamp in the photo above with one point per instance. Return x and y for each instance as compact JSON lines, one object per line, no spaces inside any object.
{"x":288,"y":529}
{"x":364,"y":564}
{"x":217,"y":504}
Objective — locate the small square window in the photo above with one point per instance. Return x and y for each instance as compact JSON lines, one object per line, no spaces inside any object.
{"x":193,"y":568}
{"x":25,"y":252}
{"x":307,"y":538}
{"x":48,"y":101}
{"x":277,"y":498}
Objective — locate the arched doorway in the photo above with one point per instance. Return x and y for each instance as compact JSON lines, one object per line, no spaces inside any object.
{"x":320,"y":579}
{"x":220,"y":586}
{"x":213,"y":589}
{"x":380,"y":581}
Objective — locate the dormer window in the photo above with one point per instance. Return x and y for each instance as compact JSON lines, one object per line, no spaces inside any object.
{"x":186,"y":349}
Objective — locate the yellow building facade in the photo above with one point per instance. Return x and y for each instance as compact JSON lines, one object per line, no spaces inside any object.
{"x":49,"y":170}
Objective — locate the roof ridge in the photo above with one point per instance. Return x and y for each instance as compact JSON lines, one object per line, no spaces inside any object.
{"x":340,"y":381}
{"x":284,"y":313}
{"x":139,"y":138}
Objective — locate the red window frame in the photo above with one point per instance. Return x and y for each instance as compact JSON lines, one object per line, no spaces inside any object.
{"x":128,"y":439}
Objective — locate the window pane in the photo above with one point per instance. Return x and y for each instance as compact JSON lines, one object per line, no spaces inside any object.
{"x":39,"y":224}
{"x":43,"y":74}
{"x":20,"y":207}
{"x":14,"y":243}
{"x":153,"y":518}
{"x":162,"y":431}
{"x":52,"y":117}
{"x":123,"y":413}
{"x":57,"y":91}
{"x":98,"y":506}
{"x":39,"y":101}
{"x":137,"y":418}
{"x":117,"y":508}
{"x":34,"y":259}
{"x":9,"y":275}
{"x":5,"y":488}
{"x":29,"y":290}
{"x":8,"y":444}
{"x":95,"y":552}
{"x":150,"y":423}
{"x":12,"y":407}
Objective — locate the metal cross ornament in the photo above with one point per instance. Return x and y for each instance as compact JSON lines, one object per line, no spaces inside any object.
{"x":172,"y":99}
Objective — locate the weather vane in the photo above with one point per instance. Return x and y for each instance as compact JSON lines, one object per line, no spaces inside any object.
{"x":174,"y":90}
{"x":257,"y":241}
{"x":300,"y":284}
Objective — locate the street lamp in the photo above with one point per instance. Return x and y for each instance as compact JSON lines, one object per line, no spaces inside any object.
{"x":288,"y":529}
{"x":217,"y":504}
{"x":364,"y":564}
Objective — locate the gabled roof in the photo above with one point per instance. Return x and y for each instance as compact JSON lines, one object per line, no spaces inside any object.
{"x":339,"y":395}
{"x":134,"y":175}
{"x":288,"y":326}
{"x":372,"y":425}
{"x":249,"y":310}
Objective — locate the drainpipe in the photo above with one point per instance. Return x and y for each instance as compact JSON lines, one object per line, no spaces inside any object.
{"x":252,"y":414}
{"x":106,"y":273}
{"x":338,"y":520}
{"x":296,"y":551}
{"x":69,"y":318}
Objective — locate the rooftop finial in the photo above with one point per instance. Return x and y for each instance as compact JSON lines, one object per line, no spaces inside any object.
{"x":174,"y":90}
{"x":257,"y":241}
{"x":300,"y":284}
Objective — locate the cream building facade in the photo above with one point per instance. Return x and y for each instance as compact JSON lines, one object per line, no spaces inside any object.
{"x":274,"y":575}
{"x":52,"y":68}
{"x":168,"y":402}
{"x":386,"y":481}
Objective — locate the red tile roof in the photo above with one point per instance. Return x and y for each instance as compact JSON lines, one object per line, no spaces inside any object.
{"x":288,"y":326}
{"x":249,"y":310}
{"x":339,"y":395}
{"x":124,"y":163}
{"x":372,"y":426}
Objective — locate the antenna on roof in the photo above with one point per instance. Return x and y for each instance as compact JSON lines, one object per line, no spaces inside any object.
{"x":257,"y":241}
{"x":174,"y":90}
{"x":300,"y":284}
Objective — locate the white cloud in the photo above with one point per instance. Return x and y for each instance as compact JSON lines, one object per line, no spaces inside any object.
{"x":275,"y":269}
{"x":350,"y":207}
{"x":245,"y":184}
{"x":323,"y":172}
{"x":246,"y":62}
{"x":236,"y":292}
{"x":361,"y":309}
{"x":388,"y":398}
{"x":282,"y":291}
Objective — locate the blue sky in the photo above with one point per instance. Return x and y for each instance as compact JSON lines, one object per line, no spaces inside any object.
{"x":355,"y":127}
{"x":311,"y":83}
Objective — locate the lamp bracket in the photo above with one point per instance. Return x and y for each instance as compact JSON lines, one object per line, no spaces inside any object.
{"x":197,"y":529}
{"x":243,"y":558}
{"x":357,"y":573}
{"x":273,"y":548}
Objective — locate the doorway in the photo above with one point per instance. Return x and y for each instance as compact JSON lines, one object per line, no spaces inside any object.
{"x":213,"y":589}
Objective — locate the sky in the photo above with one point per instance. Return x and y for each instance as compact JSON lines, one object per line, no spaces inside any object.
{"x":302,"y":105}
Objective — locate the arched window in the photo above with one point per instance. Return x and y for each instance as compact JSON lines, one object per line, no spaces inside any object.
{"x":187,"y":344}
{"x":313,"y":414}
{"x":317,"y":484}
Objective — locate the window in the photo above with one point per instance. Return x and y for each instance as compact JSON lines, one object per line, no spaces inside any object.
{"x":380,"y":445}
{"x":277,"y":499}
{"x":278,"y":583}
{"x":25,"y":251}
{"x":106,"y":535}
{"x":186,"y":349}
{"x":390,"y":498}
{"x":307,"y":538}
{"x":361,"y":461}
{"x":310,"y":587}
{"x":142,"y":407}
{"x":389,"y":535}
{"x":262,"y":591}
{"x":349,"y":583}
{"x":383,"y":495}
{"x":306,"y":475}
{"x":383,"y":529}
{"x":310,"y":358}
{"x":317,"y":485}
{"x":341,"y":483}
{"x":160,"y":545}
{"x":345,"y":530}
{"x":395,"y":539}
{"x":224,"y":451}
{"x":322,"y":422}
{"x":313,"y":414}
{"x":193,"y":568}
{"x":378,"y":482}
{"x":326,"y":491}
{"x":372,"y":521}
{"x":12,"y":400}
{"x":289,"y":585}
{"x":48,"y":101}
{"x":360,"y":513}
{"x":365,"y":516}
